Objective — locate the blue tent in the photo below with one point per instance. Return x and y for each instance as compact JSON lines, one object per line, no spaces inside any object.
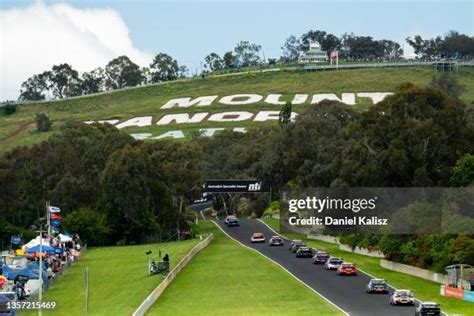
{"x":31,"y":271}
{"x":36,"y":248}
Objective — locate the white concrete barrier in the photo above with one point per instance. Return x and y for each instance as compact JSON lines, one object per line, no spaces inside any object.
{"x":326,"y":238}
{"x":414,"y":271}
{"x":155,"y":294}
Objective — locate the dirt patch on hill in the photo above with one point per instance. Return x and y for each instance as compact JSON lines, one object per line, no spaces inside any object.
{"x":23,"y":129}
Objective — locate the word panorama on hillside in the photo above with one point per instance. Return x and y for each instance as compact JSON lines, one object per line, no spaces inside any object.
{"x":231,"y":116}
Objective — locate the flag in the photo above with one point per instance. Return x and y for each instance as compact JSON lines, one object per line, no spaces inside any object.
{"x":54,"y":231}
{"x":54,"y":209}
{"x":55,"y":223}
{"x":55,"y":216}
{"x":16,"y":240}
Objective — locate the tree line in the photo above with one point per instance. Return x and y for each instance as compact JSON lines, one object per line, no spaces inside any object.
{"x":64,"y":81}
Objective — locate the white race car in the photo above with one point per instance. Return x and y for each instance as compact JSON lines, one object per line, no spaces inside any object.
{"x":402,"y":297}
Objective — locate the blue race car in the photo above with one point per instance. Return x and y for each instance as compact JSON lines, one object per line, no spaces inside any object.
{"x":377,"y":286}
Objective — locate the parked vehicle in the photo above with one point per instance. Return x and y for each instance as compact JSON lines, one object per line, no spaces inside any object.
{"x":428,"y":308}
{"x":320,"y":257}
{"x":377,"y":286}
{"x":402,"y":297}
{"x":347,"y":268}
{"x":333,"y":263}
{"x":257,"y":237}
{"x":276,"y":241}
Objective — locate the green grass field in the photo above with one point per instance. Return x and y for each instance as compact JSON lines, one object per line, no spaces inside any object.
{"x":19,"y":128}
{"x":118,"y":280}
{"x":228,"y":279}
{"x":423,"y":289}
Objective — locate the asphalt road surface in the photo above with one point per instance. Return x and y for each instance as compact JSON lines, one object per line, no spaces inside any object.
{"x":347,"y":292}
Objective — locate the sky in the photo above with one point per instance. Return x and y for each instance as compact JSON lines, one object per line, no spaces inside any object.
{"x":34,"y":35}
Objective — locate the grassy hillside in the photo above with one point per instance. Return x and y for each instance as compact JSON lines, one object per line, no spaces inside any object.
{"x":118,"y":280}
{"x":228,"y":279}
{"x":19,"y":128}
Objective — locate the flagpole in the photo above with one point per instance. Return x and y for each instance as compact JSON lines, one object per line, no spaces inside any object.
{"x":48,"y":218}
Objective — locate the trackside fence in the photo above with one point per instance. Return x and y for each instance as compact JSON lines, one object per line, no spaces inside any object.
{"x":156,"y":293}
{"x":414,"y":271}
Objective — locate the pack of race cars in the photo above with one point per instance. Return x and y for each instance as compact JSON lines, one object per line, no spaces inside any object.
{"x":397,"y":297}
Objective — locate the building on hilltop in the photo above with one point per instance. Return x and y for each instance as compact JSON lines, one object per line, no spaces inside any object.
{"x":314,"y":54}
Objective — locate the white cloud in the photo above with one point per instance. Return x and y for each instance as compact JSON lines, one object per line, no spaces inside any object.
{"x":34,"y":38}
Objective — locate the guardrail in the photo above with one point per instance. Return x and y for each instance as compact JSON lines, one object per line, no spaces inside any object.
{"x":156,"y":293}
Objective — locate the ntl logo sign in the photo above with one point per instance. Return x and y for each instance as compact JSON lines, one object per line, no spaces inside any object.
{"x":232,"y":116}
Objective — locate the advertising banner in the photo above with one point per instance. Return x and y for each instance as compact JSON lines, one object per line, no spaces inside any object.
{"x":234,"y":186}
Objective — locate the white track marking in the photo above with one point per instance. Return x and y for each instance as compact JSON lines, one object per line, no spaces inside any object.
{"x":282,"y":267}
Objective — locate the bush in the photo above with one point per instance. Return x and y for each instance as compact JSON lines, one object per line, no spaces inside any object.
{"x":9,"y":108}
{"x":43,"y":124}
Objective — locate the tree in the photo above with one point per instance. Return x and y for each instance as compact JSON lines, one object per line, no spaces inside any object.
{"x":247,"y":54}
{"x":229,"y":60}
{"x":327,"y":41}
{"x":33,"y":88}
{"x":213,"y":62}
{"x":121,"y":72}
{"x":412,"y":138}
{"x":93,"y":81}
{"x":463,"y":173}
{"x":126,"y":195}
{"x":458,"y":45}
{"x":90,"y":225}
{"x":164,"y":68}
{"x":291,"y":49}
{"x":391,"y":49}
{"x":182,"y":71}
{"x":43,"y":124}
{"x":449,"y":84}
{"x":64,"y":81}
{"x":9,"y":107}
{"x":285,"y":114}
{"x":308,"y":152}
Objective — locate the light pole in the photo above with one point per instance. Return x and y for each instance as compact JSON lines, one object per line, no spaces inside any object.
{"x":40,"y":272}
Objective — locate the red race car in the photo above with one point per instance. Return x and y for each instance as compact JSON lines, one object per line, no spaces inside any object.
{"x":347,"y":268}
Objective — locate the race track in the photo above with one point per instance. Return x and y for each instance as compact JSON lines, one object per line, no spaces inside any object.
{"x":347,"y":292}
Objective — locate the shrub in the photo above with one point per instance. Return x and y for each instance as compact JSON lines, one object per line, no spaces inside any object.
{"x":43,"y":124}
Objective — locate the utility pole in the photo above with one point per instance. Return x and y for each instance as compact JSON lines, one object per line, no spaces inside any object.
{"x":40,"y":272}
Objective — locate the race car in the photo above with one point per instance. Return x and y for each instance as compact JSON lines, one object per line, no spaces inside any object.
{"x":320,"y":257}
{"x":402,"y":297}
{"x":332,"y":263}
{"x":347,"y":268}
{"x":428,"y":308}
{"x":257,"y":237}
{"x":377,"y":286}
{"x":229,"y":217}
{"x":276,"y":241}
{"x":295,"y":244}
{"x":233,"y":222}
{"x":304,"y":252}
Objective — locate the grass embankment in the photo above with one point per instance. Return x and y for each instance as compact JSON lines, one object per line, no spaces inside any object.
{"x":17,"y":129}
{"x":423,"y":289}
{"x":228,"y":279}
{"x":118,"y":280}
